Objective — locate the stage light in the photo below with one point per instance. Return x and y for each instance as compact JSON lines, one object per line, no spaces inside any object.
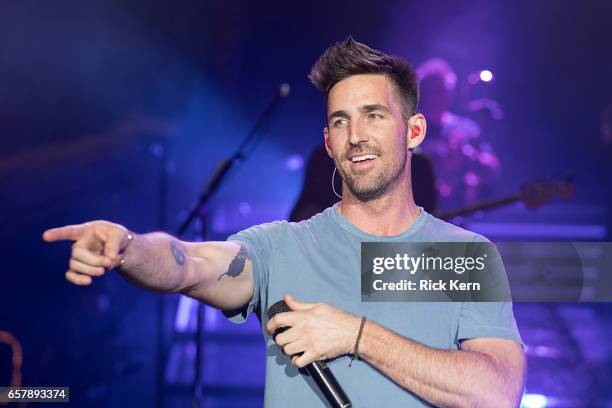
{"x":295,"y":162}
{"x":534,"y":401}
{"x":184,"y":311}
{"x":244,"y":208}
{"x":486,"y":75}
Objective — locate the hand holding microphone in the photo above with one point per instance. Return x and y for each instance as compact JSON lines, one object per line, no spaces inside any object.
{"x":310,"y":333}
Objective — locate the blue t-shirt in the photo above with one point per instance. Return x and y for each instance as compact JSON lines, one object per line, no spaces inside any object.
{"x":318,"y":260}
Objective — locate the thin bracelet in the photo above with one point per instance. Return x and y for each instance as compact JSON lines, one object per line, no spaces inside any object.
{"x":356,"y":350}
{"x":130,"y":238}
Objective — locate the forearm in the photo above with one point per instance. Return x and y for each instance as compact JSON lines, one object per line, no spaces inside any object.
{"x":156,"y":261}
{"x":446,"y":378}
{"x":216,"y":273}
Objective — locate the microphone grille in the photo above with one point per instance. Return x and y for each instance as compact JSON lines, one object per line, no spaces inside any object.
{"x":278,"y":307}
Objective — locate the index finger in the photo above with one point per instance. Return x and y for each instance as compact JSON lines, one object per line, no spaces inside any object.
{"x":286,"y":319}
{"x":69,"y":232}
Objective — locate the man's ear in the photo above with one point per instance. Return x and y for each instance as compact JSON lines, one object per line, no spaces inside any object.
{"x":326,"y":136}
{"x":417,"y":127}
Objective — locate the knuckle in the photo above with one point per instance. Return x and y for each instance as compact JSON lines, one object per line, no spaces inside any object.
{"x":97,"y":271}
{"x":75,"y":266}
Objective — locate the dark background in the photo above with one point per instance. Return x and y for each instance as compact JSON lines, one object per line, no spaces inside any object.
{"x":120,"y":110}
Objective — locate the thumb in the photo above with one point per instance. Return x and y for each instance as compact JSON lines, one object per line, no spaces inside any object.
{"x":295,"y":305}
{"x":114,"y":242}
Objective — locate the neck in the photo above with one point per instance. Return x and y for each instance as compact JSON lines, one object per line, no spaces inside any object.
{"x":390,"y":214}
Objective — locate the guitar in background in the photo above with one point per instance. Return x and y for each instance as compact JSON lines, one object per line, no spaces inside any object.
{"x":533,"y":195}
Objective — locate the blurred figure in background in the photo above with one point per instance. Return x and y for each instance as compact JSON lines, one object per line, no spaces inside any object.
{"x":464,"y":162}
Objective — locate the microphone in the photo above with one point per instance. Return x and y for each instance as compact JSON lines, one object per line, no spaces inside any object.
{"x":318,"y":370}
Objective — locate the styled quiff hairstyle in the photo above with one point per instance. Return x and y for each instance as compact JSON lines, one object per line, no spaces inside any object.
{"x":349,"y":57}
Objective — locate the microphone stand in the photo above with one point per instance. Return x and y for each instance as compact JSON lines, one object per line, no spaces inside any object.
{"x":211,"y":187}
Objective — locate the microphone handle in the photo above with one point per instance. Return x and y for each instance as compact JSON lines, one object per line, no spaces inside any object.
{"x":327,"y":383}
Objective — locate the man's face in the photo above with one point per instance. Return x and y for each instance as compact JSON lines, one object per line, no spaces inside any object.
{"x":366,"y":134}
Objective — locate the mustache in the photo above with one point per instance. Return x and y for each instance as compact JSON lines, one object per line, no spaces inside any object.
{"x":362,"y":151}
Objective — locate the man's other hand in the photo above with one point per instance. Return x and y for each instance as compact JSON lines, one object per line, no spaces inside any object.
{"x":314,"y":331}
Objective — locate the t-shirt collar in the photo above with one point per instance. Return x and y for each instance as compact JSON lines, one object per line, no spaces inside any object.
{"x":345,"y":224}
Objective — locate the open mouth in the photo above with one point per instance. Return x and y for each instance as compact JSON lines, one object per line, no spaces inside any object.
{"x":363,"y":162}
{"x":363,"y":158}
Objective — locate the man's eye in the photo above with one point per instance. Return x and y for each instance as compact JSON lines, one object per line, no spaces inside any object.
{"x":340,"y":122}
{"x":374,"y":115}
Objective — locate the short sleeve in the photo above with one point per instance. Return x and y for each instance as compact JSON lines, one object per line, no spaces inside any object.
{"x":257,"y":242}
{"x":488,"y":319}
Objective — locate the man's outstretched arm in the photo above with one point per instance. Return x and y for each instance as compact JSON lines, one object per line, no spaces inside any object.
{"x":216,"y":273}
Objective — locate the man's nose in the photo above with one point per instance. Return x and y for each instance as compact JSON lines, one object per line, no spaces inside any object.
{"x":357,"y":133}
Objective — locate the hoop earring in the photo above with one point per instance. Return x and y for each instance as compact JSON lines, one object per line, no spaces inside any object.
{"x":334,"y":185}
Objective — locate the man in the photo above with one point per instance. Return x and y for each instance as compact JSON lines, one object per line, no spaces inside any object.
{"x":447,"y":354}
{"x":464,"y":161}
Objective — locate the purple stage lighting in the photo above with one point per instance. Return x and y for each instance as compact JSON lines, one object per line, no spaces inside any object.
{"x":244,"y":208}
{"x":295,"y":162}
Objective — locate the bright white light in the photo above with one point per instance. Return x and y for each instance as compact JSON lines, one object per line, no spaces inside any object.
{"x":534,"y":401}
{"x":486,"y":75}
{"x":184,"y":312}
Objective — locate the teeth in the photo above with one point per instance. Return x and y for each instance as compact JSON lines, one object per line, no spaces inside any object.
{"x":362,"y":158}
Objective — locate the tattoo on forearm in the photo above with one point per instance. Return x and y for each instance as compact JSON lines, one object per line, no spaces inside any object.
{"x":178,"y":253}
{"x":236,"y":267}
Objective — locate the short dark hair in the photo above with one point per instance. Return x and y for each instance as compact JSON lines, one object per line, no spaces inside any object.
{"x":349,"y":57}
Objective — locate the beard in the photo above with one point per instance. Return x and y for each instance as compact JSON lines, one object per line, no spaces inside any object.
{"x":377,"y":182}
